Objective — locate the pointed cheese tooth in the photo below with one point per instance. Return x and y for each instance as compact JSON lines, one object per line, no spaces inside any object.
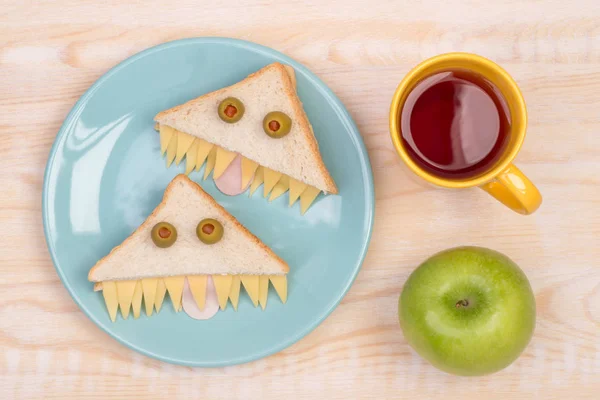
{"x":280,"y":284}
{"x":184,"y":141}
{"x":280,"y":188}
{"x":109,"y":292}
{"x":191,"y":157}
{"x":223,"y":287}
{"x":161,"y":290}
{"x":271,"y":179}
{"x":197,"y":285}
{"x":174,"y":286}
{"x":251,"y":284}
{"x":296,"y":189}
{"x":259,"y":178}
{"x":149,"y":289}
{"x":166,"y":133}
{"x":234,"y":292}
{"x":248,"y":169}
{"x":263,"y":290}
{"x":171,"y":150}
{"x":222,"y":161}
{"x":210,"y":163}
{"x":204,"y":149}
{"x":307,"y":197}
{"x":136,"y":301}
{"x":125,"y":290}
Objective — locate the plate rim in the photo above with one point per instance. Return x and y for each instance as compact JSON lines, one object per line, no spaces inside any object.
{"x":347,"y":120}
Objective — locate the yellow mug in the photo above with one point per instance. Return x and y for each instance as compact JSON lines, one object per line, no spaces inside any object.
{"x":503,"y":180}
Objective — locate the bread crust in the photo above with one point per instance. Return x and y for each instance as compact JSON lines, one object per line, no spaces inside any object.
{"x":290,"y":91}
{"x":223,"y":213}
{"x":307,"y":129}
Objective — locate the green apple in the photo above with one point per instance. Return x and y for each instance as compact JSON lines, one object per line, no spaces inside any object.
{"x":468,"y":311}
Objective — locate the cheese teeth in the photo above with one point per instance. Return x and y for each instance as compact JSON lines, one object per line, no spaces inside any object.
{"x":128,"y":295}
{"x":176,"y":145}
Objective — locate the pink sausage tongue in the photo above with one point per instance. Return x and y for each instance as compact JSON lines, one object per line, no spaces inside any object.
{"x":230,"y":181}
{"x":210,"y":307}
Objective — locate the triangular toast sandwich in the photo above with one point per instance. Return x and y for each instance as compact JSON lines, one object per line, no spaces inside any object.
{"x":280,"y":153}
{"x":187,"y":236}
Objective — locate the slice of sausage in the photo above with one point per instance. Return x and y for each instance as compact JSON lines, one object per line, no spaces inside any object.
{"x":230,"y":181}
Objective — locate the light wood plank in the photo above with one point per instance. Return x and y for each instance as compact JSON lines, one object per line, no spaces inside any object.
{"x":52,"y":52}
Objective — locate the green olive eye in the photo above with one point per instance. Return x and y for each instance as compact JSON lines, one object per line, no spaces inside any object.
{"x":163,"y":234}
{"x":231,"y":110}
{"x":277,"y":124}
{"x":209,"y":231}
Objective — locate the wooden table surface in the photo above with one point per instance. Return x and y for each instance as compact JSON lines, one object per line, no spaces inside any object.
{"x":51,"y":52}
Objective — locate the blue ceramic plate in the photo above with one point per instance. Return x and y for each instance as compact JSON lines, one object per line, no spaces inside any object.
{"x":105,"y":175}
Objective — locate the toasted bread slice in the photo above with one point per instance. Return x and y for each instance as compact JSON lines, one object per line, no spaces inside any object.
{"x":138,"y":266}
{"x":197,"y":123}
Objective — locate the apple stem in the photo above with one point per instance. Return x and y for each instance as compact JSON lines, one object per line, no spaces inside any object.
{"x":462,"y":303}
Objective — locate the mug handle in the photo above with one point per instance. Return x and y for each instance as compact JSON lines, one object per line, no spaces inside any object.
{"x":513,"y":189}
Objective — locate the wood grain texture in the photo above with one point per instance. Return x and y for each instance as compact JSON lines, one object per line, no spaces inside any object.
{"x":51,"y":52}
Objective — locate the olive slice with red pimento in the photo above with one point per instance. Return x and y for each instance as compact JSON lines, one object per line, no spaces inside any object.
{"x":163,"y":234}
{"x":277,"y":124}
{"x":209,"y":231}
{"x":231,"y":110}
